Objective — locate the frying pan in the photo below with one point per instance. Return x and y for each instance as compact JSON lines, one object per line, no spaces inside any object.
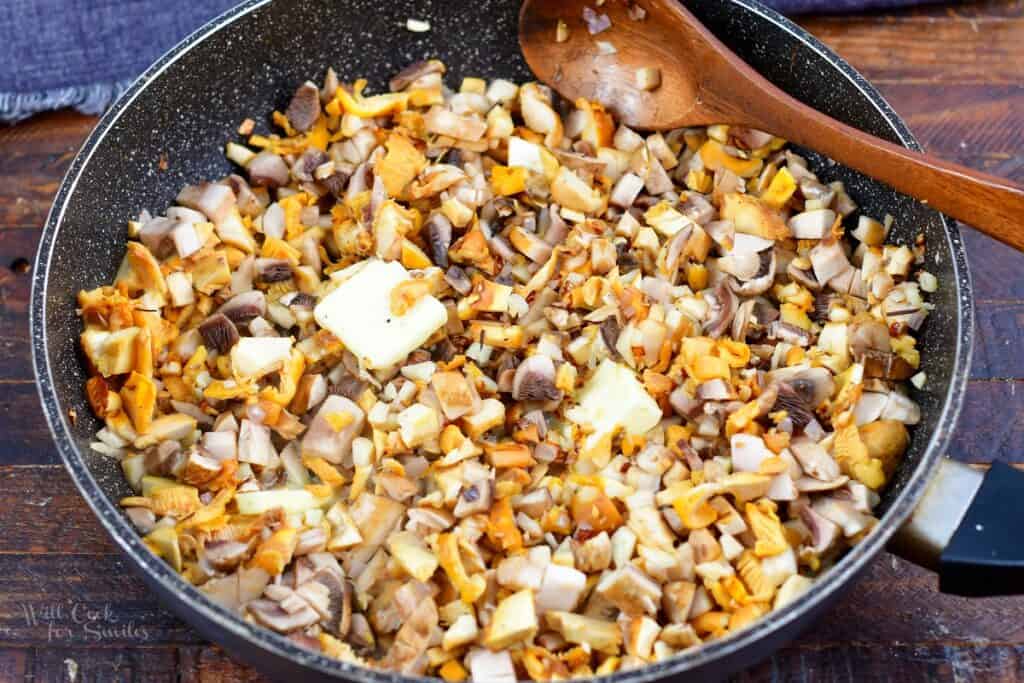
{"x":247,"y":62}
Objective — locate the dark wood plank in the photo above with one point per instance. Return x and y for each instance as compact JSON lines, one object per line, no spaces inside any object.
{"x":36,"y":154}
{"x":900,"y":663}
{"x":997,"y":345}
{"x":101,"y":664}
{"x":213,"y":665}
{"x":26,"y":439}
{"x":14,"y":664}
{"x":996,"y":269}
{"x":908,"y":48}
{"x":990,"y":425}
{"x":42,"y":509}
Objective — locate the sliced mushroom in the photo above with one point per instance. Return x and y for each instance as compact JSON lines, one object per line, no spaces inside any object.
{"x":338,"y":617}
{"x":803,"y":277}
{"x":307,"y":163}
{"x":474,"y":498}
{"x":723,"y":303}
{"x":762,"y":281}
{"x":885,"y":365}
{"x":814,"y":384}
{"x":535,"y":380}
{"x":323,"y":439}
{"x":814,"y":460}
{"x":684,"y":404}
{"x":439,"y":237}
{"x":270,"y":270}
{"x":742,"y":320}
{"x":249,"y":204}
{"x":715,"y":390}
{"x":273,"y":616}
{"x":791,"y":334}
{"x":156,"y":235}
{"x":304,"y":108}
{"x":813,"y":485}
{"x":244,"y":307}
{"x":267,"y":169}
{"x":225,"y":555}
{"x":828,"y":259}
{"x":697,"y":208}
{"x":219,"y":332}
{"x":415,"y":71}
{"x":812,"y":225}
{"x":458,"y":280}
{"x":824,"y":532}
{"x":408,"y":652}
{"x":795,"y":404}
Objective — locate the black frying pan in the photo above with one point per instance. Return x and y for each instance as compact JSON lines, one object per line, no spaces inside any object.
{"x":247,"y":63}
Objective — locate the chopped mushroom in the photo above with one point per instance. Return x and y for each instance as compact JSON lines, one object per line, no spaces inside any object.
{"x":461,"y":381}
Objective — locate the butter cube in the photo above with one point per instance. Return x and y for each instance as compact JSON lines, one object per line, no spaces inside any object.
{"x":359,"y":314}
{"x":612,"y":399}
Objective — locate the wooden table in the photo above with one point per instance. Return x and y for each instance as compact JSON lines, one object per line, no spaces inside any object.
{"x":71,"y":609}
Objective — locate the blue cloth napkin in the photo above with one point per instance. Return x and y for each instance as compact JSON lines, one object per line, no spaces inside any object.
{"x":84,"y":53}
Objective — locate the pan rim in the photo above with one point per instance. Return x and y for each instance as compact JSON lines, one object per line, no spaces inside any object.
{"x":194,"y":602}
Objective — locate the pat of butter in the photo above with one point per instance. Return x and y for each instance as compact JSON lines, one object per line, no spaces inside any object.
{"x":612,"y":399}
{"x":359,"y":313}
{"x":254,"y":357}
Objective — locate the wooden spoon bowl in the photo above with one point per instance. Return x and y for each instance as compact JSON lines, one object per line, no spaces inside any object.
{"x":702,"y":82}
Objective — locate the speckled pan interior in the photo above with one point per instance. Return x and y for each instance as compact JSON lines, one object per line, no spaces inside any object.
{"x":246,"y":63}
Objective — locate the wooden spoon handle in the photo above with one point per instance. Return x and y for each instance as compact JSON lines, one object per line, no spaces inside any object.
{"x":993,"y":205}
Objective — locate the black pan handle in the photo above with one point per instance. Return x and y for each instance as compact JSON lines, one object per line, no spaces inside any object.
{"x":968,"y":528}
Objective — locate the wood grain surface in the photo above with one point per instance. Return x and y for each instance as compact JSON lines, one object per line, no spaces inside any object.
{"x":70,"y":608}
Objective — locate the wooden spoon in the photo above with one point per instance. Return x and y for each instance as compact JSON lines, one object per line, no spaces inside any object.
{"x":704,"y":83}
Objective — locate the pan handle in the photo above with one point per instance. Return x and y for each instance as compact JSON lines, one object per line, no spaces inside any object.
{"x":967,"y":528}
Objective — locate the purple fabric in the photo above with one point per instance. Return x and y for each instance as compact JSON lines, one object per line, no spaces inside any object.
{"x":84,"y":53}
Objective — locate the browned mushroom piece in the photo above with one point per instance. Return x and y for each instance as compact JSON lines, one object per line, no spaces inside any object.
{"x":415,"y":71}
{"x":304,"y":108}
{"x":249,"y":204}
{"x":439,"y":238}
{"x":305,"y":166}
{"x":794,"y":403}
{"x":474,"y":498}
{"x":408,"y":651}
{"x":803,"y":277}
{"x":225,"y":555}
{"x":244,"y":307}
{"x":338,"y":619}
{"x":267,"y":169}
{"x":535,"y":380}
{"x":885,"y":365}
{"x":723,"y":308}
{"x":270,"y":270}
{"x":219,"y":332}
